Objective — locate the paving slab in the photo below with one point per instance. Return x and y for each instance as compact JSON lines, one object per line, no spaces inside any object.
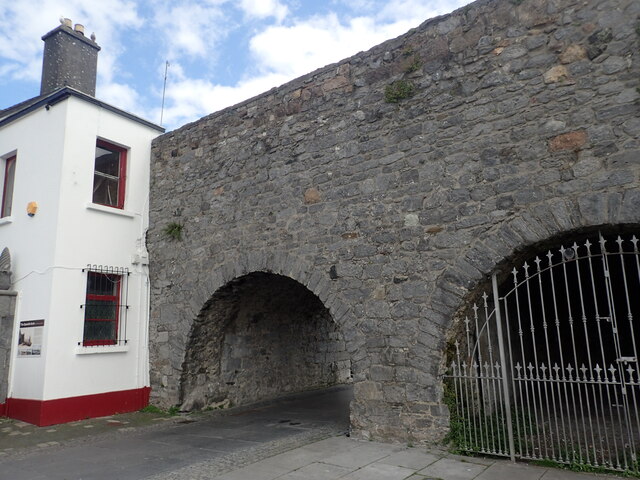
{"x":473,"y":459}
{"x":451,"y":469}
{"x":317,"y":471}
{"x":509,"y":471}
{"x":256,"y":471}
{"x":362,"y":455}
{"x":380,"y":471}
{"x":331,"y":446}
{"x":414,"y":458}
{"x":558,"y":474}
{"x":291,"y":460}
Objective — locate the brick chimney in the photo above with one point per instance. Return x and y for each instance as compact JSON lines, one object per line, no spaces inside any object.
{"x":70,"y":59}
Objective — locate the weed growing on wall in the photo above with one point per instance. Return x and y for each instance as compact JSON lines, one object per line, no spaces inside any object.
{"x":415,"y":64}
{"x":398,"y":90}
{"x":174,"y":231}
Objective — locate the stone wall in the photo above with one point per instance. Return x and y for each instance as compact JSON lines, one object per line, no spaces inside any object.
{"x":7,"y":307}
{"x":395,"y":182}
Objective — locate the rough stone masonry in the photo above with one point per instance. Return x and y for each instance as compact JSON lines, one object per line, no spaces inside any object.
{"x":391,"y":185}
{"x":7,"y":307}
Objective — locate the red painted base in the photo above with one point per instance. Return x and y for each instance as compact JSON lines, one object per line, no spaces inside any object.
{"x":61,"y":410}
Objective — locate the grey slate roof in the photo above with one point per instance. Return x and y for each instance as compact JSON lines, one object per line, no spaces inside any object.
{"x":17,"y":111}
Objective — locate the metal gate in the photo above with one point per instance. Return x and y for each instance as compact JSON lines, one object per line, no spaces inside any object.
{"x":552,"y":373}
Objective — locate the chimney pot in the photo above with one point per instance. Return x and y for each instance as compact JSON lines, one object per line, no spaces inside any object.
{"x":79,"y":28}
{"x":67,"y":22}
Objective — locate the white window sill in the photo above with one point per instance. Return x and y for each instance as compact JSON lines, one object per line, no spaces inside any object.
{"x":6,"y":220}
{"x":101,"y":349}
{"x":111,"y":210}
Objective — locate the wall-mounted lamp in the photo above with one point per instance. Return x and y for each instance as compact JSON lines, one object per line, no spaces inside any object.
{"x":32,"y":208}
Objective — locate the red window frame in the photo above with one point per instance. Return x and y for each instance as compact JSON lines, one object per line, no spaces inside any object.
{"x":7,"y":187}
{"x":122,"y":173}
{"x":114,"y":300}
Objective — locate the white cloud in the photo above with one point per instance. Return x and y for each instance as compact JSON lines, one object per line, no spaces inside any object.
{"x":26,"y":22}
{"x":310,"y":44}
{"x":264,"y":9}
{"x":120,"y":95}
{"x":356,"y":5}
{"x":192,"y":28}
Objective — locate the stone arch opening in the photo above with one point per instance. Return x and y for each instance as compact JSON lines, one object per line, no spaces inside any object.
{"x":565,"y":316}
{"x":261,"y":336}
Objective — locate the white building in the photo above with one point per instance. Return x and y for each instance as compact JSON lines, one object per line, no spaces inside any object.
{"x":74,"y":174}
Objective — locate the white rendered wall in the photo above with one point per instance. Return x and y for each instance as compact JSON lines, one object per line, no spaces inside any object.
{"x":83,"y":234}
{"x":38,"y":141}
{"x":99,"y":236}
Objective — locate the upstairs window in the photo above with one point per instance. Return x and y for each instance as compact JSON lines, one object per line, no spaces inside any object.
{"x":109,"y":174}
{"x":7,"y":186}
{"x":104,"y":310}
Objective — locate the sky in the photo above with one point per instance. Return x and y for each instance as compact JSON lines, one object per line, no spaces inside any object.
{"x":219,"y":52}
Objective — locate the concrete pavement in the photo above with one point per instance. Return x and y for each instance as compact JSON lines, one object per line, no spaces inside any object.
{"x":298,"y":437}
{"x":339,"y":457}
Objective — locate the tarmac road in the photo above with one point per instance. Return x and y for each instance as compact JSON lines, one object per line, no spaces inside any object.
{"x":225,"y":440}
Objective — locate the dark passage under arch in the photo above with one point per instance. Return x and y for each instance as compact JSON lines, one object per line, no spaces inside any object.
{"x":261,"y":336}
{"x":558,"y":377}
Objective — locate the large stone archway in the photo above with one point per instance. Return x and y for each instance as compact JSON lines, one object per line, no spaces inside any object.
{"x":522,"y":124}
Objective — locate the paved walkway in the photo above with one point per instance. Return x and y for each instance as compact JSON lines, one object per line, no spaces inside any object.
{"x":347,"y":459}
{"x":301,"y":437}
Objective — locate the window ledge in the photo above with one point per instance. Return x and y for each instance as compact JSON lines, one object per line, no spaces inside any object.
{"x":6,"y":220}
{"x":101,"y":349}
{"x":112,"y":210}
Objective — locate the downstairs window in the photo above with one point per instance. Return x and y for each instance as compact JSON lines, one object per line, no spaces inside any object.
{"x":104,"y":310}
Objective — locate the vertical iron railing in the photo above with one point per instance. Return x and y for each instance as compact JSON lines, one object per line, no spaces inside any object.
{"x":478,"y":380}
{"x":106,"y":306}
{"x":548,"y":367}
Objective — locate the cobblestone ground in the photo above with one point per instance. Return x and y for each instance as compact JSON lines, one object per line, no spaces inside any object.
{"x":236,"y":460}
{"x":19,"y":439}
